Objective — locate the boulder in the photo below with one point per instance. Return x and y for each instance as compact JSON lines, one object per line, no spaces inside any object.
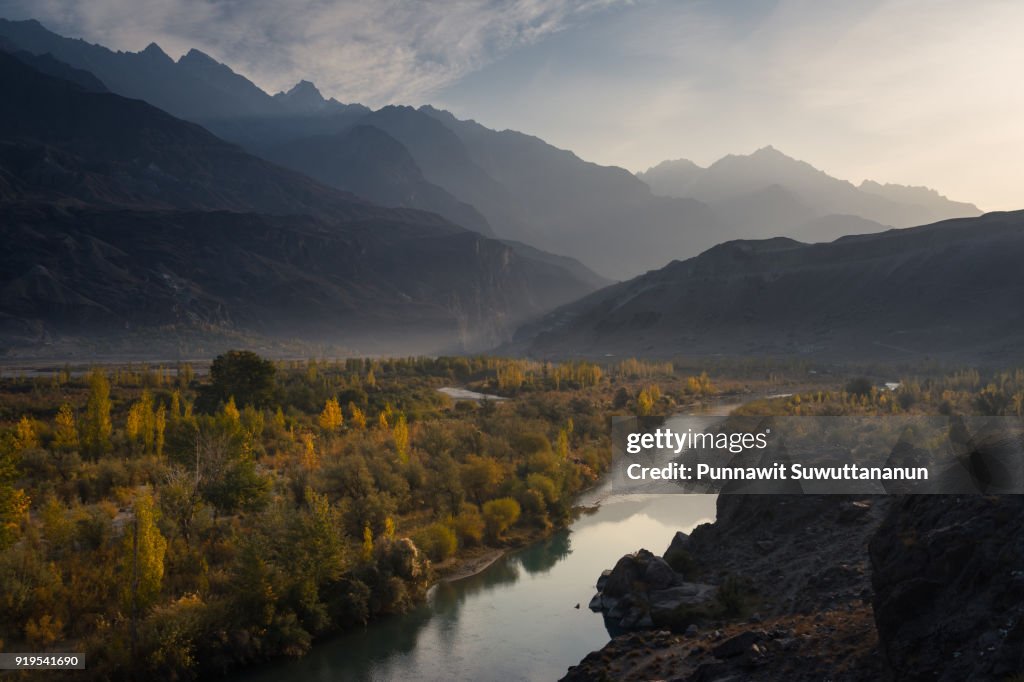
{"x":640,"y":583}
{"x":678,"y":553}
{"x":603,"y":579}
{"x":674,"y":604}
{"x":628,"y":571}
{"x":659,"y":575}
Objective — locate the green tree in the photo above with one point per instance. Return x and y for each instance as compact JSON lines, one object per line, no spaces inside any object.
{"x":96,"y":426}
{"x":480,"y":477}
{"x":500,"y":515}
{"x":13,"y":501}
{"x":243,"y":375}
{"x":437,"y":541}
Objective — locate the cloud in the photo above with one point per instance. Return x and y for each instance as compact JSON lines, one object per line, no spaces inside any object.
{"x":375,"y":52}
{"x":908,"y":91}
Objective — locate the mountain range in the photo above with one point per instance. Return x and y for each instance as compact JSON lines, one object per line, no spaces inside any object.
{"x":502,"y":183}
{"x":143,"y":197}
{"x":120,"y":217}
{"x":794,"y":199}
{"x":950,"y":290}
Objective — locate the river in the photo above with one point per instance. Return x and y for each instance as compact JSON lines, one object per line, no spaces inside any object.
{"x":515,"y":620}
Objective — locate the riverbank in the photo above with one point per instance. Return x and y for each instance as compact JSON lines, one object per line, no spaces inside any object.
{"x":464,"y":567}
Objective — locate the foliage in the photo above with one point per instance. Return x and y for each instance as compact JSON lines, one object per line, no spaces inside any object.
{"x":242,"y":375}
{"x":500,"y":515}
{"x":175,"y":543}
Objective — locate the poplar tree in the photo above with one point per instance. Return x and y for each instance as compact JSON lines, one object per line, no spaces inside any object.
{"x":96,"y":427}
{"x":65,"y":429}
{"x":401,"y":435}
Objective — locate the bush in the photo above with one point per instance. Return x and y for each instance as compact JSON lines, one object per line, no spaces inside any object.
{"x":499,"y":516}
{"x":437,"y":541}
{"x":468,"y":525}
{"x":859,"y":387}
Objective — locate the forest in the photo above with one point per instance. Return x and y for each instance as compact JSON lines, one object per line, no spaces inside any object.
{"x":175,"y":522}
{"x":178,"y":522}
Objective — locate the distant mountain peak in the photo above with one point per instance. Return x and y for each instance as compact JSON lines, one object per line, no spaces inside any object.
{"x":673,"y":164}
{"x":770,"y":151}
{"x":154,"y":51}
{"x":198,"y":56}
{"x":304,"y":97}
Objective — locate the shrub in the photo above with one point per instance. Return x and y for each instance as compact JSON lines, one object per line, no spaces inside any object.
{"x":437,"y":541}
{"x":499,"y":516}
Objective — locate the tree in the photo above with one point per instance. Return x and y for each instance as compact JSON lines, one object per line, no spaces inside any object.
{"x":367,"y":551}
{"x":140,"y":425}
{"x":25,"y":437}
{"x":160,"y":428}
{"x":356,"y":416}
{"x":480,"y":477}
{"x":242,"y":374}
{"x":331,"y":418}
{"x":562,"y":445}
{"x":142,"y":559}
{"x":500,"y":515}
{"x":65,"y":429}
{"x":860,"y":386}
{"x":96,"y":426}
{"x":401,"y":435}
{"x":468,"y":525}
{"x":437,"y":541}
{"x":13,"y":501}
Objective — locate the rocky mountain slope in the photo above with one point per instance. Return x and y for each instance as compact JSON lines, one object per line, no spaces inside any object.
{"x":121,"y":218}
{"x":516,"y":186}
{"x":946,"y":290}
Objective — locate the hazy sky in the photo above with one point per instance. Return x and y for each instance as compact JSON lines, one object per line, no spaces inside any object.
{"x":909,"y":91}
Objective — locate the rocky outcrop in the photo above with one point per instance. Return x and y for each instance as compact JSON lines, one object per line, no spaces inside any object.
{"x":777,"y":588}
{"x":644,"y":591}
{"x":948,"y":576}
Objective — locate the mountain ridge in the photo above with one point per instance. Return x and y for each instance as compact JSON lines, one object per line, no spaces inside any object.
{"x":122,"y":219}
{"x":945,"y":290}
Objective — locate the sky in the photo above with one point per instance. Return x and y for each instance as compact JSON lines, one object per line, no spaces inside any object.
{"x":920,"y":92}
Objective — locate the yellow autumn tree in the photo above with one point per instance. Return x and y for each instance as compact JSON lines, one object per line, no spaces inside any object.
{"x":13,"y":501}
{"x":356,"y":416}
{"x":142,"y":558}
{"x":231,"y":411}
{"x":331,"y":418}
{"x":401,"y":435}
{"x":367,"y":543}
{"x":562,"y":446}
{"x":159,"y":428}
{"x":65,"y":429}
{"x":25,"y":437}
{"x":140,"y":425}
